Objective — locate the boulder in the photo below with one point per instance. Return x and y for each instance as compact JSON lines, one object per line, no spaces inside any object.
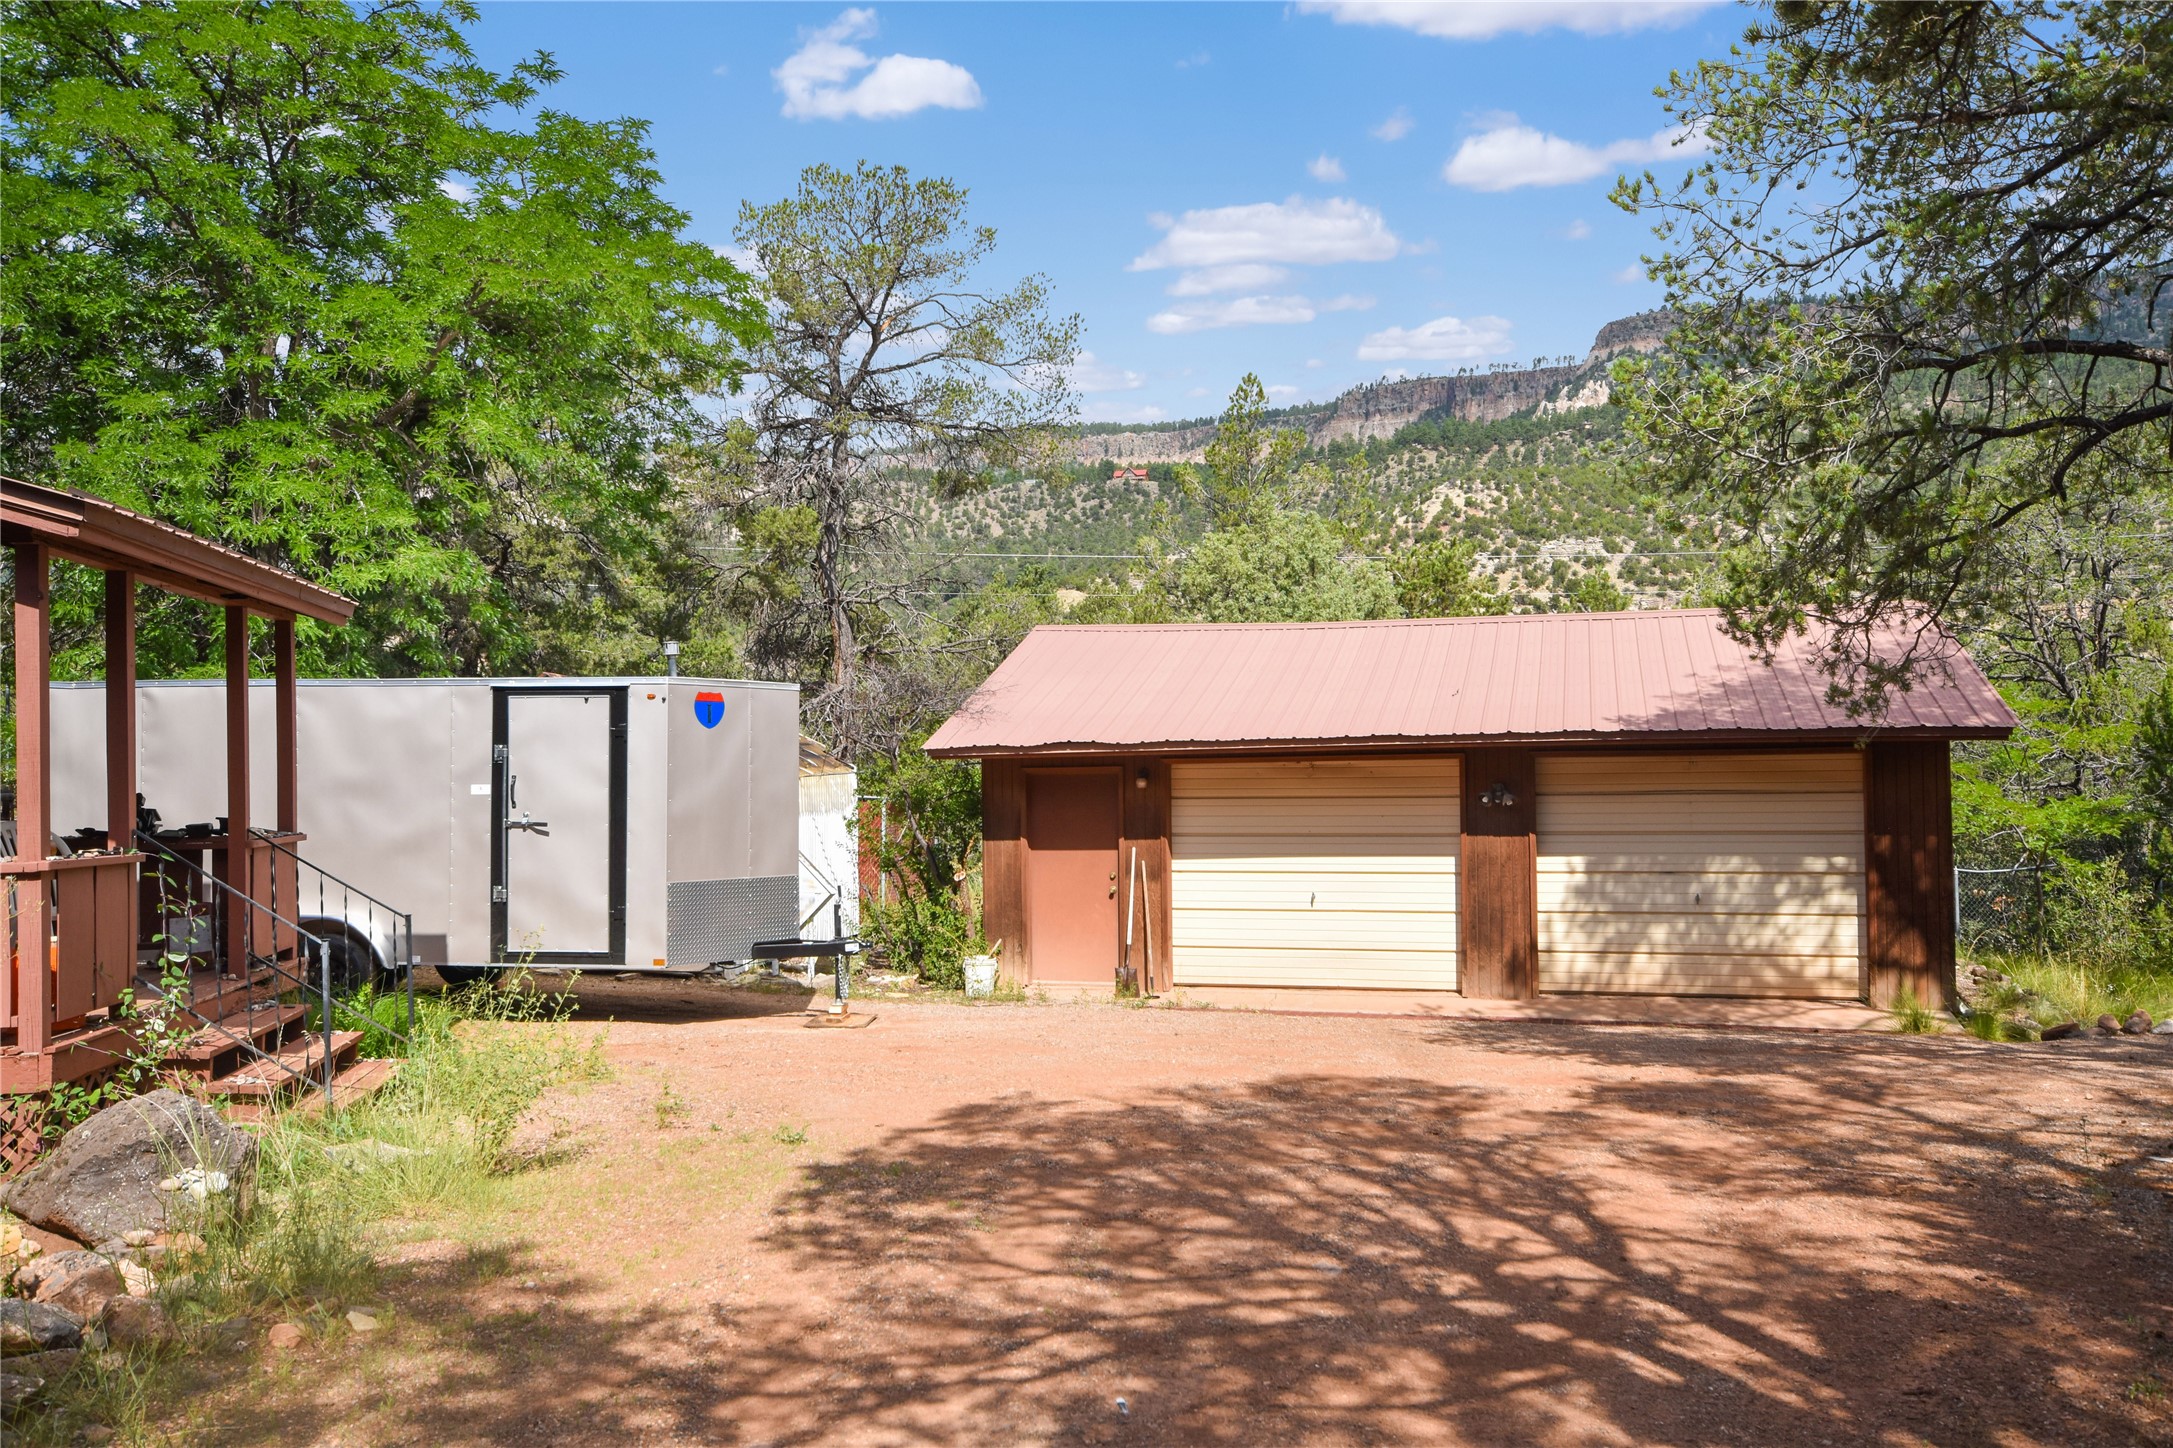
{"x":78,"y":1283}
{"x":285,"y":1336}
{"x":18,"y":1391}
{"x":2108,"y":1024}
{"x":27,"y":1327}
{"x":136,"y":1322}
{"x":101,"y":1181}
{"x":48,"y":1366}
{"x":2137,"y":1024}
{"x":2066,"y":1030}
{"x":2163,"y":1028}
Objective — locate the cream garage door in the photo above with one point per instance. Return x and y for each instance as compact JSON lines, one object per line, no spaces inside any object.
{"x":1702,"y":874}
{"x":1302,"y":873}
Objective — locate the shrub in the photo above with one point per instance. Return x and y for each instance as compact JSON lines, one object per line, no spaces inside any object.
{"x":928,"y":935}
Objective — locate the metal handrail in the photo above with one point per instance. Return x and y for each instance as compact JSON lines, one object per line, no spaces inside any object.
{"x":311,"y":942}
{"x":403,"y":922}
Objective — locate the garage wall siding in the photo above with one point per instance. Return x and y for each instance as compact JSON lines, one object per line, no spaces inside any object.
{"x":1702,"y":874}
{"x":1315,"y":872}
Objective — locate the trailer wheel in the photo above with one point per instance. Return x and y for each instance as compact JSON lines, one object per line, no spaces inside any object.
{"x":353,"y":964}
{"x":459,"y":975}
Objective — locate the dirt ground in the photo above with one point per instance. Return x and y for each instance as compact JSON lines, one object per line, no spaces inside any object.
{"x":1076,"y":1223}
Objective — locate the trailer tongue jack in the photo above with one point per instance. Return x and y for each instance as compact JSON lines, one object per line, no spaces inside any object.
{"x":840,"y":947}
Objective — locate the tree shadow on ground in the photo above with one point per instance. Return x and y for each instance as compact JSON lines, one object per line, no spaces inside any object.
{"x":1678,"y":1249}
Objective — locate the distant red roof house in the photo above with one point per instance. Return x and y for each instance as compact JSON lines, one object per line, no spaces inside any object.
{"x":1077,"y":689}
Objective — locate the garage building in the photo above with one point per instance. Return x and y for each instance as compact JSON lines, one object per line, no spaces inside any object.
{"x":1500,"y":807}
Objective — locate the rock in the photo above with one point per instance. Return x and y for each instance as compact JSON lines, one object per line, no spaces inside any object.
{"x":2137,"y":1024}
{"x":141,"y":1237}
{"x":102,"y":1180}
{"x":11,"y":1240}
{"x":50,"y":1366}
{"x":2163,"y":1028}
{"x":285,"y":1336}
{"x":78,"y":1283}
{"x":138,"y":1279}
{"x":2066,"y":1030}
{"x":2108,"y":1024}
{"x":362,"y":1321}
{"x":98,"y":1433}
{"x":27,"y":1327}
{"x":18,"y":1391}
{"x":136,"y":1322}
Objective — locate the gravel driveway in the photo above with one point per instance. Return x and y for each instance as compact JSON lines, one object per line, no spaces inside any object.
{"x":1076,"y":1223}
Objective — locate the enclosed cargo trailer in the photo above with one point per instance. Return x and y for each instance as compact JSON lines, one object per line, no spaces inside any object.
{"x":625,"y":823}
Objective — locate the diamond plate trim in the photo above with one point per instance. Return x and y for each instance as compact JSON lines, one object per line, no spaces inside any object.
{"x":708,"y":922}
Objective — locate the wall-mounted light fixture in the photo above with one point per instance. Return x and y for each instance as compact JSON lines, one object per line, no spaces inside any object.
{"x":1140,"y":782}
{"x":1500,"y":796}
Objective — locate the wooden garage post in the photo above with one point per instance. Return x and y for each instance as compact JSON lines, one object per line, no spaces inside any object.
{"x":1146,"y":788}
{"x":1003,"y":864}
{"x":1909,"y":873}
{"x":1497,"y":873}
{"x":120,"y":709}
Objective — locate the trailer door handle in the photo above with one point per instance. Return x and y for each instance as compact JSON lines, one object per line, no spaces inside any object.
{"x":541,"y":827}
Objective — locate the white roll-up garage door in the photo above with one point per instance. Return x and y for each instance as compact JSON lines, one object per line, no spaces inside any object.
{"x":1702,"y":874}
{"x":1315,"y":873}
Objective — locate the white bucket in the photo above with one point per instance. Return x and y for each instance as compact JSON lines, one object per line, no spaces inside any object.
{"x":980,"y":976}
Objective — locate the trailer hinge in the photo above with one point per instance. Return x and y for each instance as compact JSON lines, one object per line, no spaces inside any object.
{"x":497,"y":754}
{"x":497,"y":894}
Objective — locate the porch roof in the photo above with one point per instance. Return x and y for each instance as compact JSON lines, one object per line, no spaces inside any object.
{"x":90,"y":530}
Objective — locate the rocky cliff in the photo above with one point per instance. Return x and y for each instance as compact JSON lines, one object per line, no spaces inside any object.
{"x":1379,"y":409}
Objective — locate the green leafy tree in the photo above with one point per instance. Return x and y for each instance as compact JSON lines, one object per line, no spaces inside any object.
{"x":1287,"y":567}
{"x":1593,"y":592}
{"x":1250,"y":469}
{"x":1439,"y":578}
{"x":307,"y":278}
{"x":891,"y":368}
{"x":1922,"y":288}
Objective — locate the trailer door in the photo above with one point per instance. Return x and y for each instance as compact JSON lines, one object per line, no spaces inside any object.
{"x":558,"y":860}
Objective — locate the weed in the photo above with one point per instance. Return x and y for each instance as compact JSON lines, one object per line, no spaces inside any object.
{"x":790,"y":1135}
{"x":2144,"y":1390}
{"x":1912,"y":1017}
{"x":670,"y":1109}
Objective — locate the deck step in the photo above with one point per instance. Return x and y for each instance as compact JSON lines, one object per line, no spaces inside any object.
{"x":267,"y":1021}
{"x":296,"y":1068}
{"x":352,"y":1083}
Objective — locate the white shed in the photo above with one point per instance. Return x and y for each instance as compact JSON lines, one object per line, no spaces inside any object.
{"x":829,"y":841}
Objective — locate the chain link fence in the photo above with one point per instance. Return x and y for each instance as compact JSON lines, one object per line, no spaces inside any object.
{"x":2000,"y":909}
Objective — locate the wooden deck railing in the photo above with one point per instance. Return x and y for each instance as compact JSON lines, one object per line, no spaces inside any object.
{"x":71,"y":943}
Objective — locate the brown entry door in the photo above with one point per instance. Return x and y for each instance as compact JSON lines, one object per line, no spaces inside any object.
{"x":1072,"y":905}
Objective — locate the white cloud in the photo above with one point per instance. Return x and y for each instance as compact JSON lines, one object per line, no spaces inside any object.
{"x":1111,"y":412}
{"x":815,"y":77}
{"x":1484,"y":19}
{"x":721,"y":70}
{"x":1089,"y":373}
{"x":1396,"y":127}
{"x":1634,"y":272}
{"x":1511,"y":154}
{"x":1312,"y":362}
{"x":1444,"y":339}
{"x":1577,"y":230}
{"x":1248,"y":312}
{"x":456,"y":190}
{"x":1325,"y":167}
{"x":1194,"y":60}
{"x":1281,"y":389}
{"x":1244,"y":276}
{"x":1236,"y":312}
{"x":1309,"y":233}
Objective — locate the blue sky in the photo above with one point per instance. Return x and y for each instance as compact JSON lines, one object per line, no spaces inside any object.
{"x":1320,"y":193}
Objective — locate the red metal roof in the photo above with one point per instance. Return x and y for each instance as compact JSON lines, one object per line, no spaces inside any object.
{"x":1598,"y":676}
